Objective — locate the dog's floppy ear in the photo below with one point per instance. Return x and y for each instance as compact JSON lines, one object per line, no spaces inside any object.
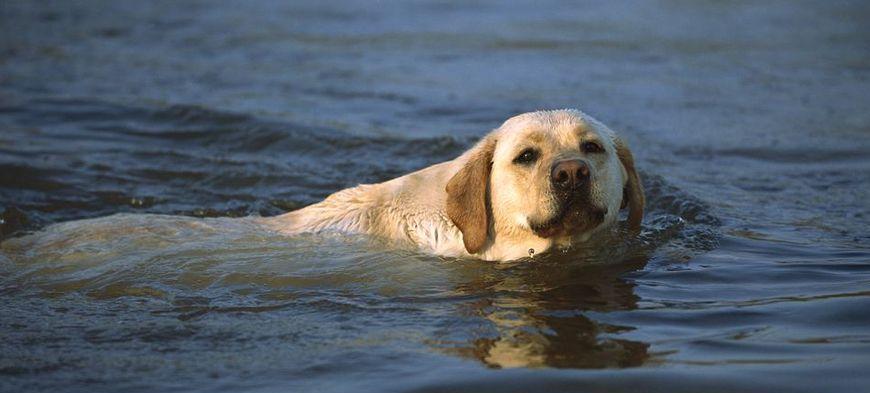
{"x":467,"y":198}
{"x":632,"y":194}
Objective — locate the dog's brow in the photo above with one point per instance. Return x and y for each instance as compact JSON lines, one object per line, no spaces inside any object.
{"x":535,"y":136}
{"x":582,"y":130}
{"x":589,"y":136}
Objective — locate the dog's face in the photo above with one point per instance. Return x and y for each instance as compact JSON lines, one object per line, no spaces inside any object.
{"x":558,"y":175}
{"x":555,"y":174}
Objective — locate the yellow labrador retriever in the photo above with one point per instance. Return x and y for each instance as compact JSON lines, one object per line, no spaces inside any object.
{"x":542,"y":180}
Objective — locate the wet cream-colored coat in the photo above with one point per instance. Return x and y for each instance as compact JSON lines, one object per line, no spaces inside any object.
{"x":410,"y":209}
{"x":481,"y":204}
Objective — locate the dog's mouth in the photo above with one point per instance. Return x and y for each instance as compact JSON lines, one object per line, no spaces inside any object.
{"x":572,"y":217}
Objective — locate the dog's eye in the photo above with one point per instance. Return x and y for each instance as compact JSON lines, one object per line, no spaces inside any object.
{"x":528,"y":156}
{"x":592,"y":147}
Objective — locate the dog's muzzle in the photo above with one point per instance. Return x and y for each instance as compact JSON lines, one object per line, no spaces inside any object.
{"x":570,"y":179}
{"x":569,"y":176}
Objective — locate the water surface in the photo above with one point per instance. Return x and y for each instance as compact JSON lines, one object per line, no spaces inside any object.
{"x":748,"y":121}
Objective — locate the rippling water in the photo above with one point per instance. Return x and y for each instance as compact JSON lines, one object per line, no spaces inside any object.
{"x":748,"y":120}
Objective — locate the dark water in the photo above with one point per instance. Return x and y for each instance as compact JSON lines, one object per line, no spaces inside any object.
{"x":748,"y":119}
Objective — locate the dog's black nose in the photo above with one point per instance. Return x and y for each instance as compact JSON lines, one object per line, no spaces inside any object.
{"x":567,"y":175}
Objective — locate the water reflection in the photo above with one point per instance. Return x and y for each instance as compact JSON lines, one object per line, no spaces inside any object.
{"x":535,"y":315}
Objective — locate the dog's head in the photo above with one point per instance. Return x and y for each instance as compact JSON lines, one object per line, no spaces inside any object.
{"x":556,"y":175}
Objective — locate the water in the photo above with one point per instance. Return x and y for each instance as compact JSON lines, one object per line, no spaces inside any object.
{"x":748,"y":121}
